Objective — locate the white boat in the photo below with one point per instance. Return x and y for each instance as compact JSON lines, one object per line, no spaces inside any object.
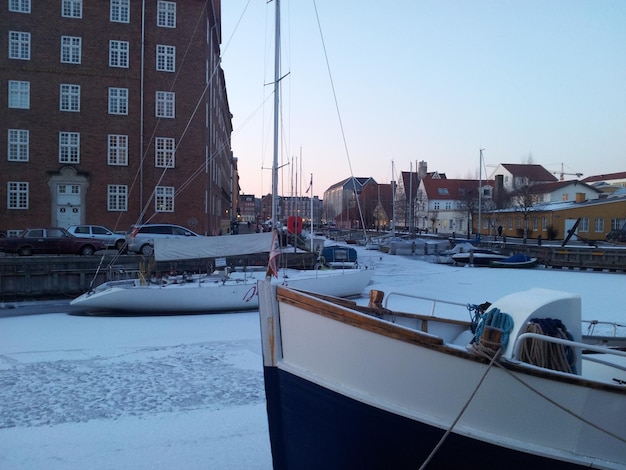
{"x":215,"y":292}
{"x":364,"y":387}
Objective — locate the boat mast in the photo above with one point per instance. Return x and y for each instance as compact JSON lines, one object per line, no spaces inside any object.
{"x":276,"y":91}
{"x":480,"y":192}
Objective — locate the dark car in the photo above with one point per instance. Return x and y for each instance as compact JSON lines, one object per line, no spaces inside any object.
{"x":54,"y":240}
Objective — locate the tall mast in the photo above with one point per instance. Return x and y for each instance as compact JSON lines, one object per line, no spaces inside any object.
{"x":480,"y":191}
{"x":276,"y":91}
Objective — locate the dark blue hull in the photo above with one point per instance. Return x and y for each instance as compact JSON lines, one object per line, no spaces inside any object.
{"x":314,"y":428}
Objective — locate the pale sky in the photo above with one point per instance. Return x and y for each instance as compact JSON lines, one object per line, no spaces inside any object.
{"x":426,"y":80}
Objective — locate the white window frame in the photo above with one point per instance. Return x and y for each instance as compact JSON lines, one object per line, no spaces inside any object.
{"x":117,"y":198}
{"x":18,"y":149}
{"x":166,"y":14}
{"x":19,"y":45}
{"x":165,"y":58}
{"x":19,"y":94}
{"x":584,"y":224}
{"x":118,"y":101}
{"x":72,"y":9}
{"x":118,"y":54}
{"x":69,"y":97}
{"x":117,"y":150}
{"x":71,"y":49}
{"x":17,"y":195}
{"x":165,"y":104}
{"x":164,"y":199}
{"x":69,"y":147}
{"x":598,"y":225}
{"x":164,"y":152}
{"x":19,"y":6}
{"x":120,"y":11}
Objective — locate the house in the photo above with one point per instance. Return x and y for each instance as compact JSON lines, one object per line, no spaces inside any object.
{"x":607,"y":183}
{"x":451,"y":205}
{"x":553,"y":220}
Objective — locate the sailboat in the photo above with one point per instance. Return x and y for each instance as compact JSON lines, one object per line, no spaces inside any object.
{"x":222,"y":290}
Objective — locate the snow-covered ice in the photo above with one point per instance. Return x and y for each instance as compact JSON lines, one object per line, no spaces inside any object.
{"x":186,"y":391}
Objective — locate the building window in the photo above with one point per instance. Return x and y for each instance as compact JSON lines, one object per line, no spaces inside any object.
{"x":19,"y":94}
{"x":584,"y":224}
{"x":70,"y":50}
{"x":118,"y":100}
{"x":535,"y":224}
{"x":17,"y":147}
{"x":598,"y":225}
{"x":617,"y":224}
{"x":164,"y":152}
{"x":118,"y":149}
{"x":19,"y":6}
{"x":17,"y":195}
{"x":70,"y":98}
{"x":72,"y":9}
{"x":165,"y":58}
{"x":165,"y":101}
{"x":69,"y":147}
{"x":19,"y":45}
{"x":118,"y":54}
{"x":166,"y":14}
{"x":164,"y":199}
{"x":117,"y":197}
{"x":544,"y":224}
{"x":120,"y":11}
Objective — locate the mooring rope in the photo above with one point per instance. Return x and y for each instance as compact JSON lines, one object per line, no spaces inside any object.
{"x":456,"y":420}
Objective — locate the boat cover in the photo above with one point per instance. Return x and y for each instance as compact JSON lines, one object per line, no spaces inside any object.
{"x":166,"y":249}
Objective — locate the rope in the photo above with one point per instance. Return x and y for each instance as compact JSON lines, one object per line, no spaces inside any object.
{"x":495,"y":319}
{"x":456,"y":420}
{"x":546,"y":354}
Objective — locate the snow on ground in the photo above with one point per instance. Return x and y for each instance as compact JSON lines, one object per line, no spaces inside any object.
{"x":162,"y":392}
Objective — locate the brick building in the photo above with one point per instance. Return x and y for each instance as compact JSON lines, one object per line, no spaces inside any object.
{"x":114,"y":112}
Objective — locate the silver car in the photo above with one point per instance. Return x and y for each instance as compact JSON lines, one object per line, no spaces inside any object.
{"x":140,"y":238}
{"x":110,"y":238}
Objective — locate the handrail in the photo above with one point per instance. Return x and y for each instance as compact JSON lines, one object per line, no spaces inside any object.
{"x":593,"y":323}
{"x":566,"y":342}
{"x":419,"y":297}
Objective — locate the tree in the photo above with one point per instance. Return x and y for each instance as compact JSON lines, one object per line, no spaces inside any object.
{"x":525,"y":198}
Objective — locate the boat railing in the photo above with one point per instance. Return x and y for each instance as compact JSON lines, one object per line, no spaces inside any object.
{"x":591,"y":326}
{"x":434,"y":303}
{"x":573,"y":344}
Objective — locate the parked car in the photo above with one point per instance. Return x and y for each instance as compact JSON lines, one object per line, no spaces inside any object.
{"x":140,"y":238}
{"x":110,"y":238}
{"x":53,"y":240}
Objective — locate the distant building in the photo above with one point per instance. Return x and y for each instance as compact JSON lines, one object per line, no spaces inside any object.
{"x":340,"y":202}
{"x":114,"y":112}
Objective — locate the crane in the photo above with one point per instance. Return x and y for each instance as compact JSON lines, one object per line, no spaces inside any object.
{"x":563,"y":173}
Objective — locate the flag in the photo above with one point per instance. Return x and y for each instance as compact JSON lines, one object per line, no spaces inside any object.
{"x":310,"y":184}
{"x":272,"y":265}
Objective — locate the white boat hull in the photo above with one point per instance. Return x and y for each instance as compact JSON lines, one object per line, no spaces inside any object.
{"x":238,"y":292}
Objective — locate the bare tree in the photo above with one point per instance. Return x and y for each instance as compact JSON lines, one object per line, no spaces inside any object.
{"x":524,"y":200}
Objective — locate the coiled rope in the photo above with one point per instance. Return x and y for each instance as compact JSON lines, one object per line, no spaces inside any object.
{"x":546,"y":354}
{"x":494,"y":318}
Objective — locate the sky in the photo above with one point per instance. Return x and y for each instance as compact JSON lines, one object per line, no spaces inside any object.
{"x":372,"y":85}
{"x":186,"y":391}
